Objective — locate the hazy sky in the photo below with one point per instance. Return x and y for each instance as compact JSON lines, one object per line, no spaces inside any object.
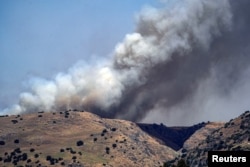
{"x":177,"y":62}
{"x":43,"y":37}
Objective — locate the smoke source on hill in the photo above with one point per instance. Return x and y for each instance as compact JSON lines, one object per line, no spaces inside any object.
{"x":190,"y":59}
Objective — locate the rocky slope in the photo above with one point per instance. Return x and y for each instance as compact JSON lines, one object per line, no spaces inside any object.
{"x":77,"y":139}
{"x":201,"y":134}
{"x":231,"y":136}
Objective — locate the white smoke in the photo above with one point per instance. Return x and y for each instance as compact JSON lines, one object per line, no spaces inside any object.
{"x":81,"y":86}
{"x":162,"y":65}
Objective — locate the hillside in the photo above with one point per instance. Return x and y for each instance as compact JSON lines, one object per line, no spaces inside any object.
{"x":231,"y":136}
{"x":201,"y":134}
{"x":77,"y":139}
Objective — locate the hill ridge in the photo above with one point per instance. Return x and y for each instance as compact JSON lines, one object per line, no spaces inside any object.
{"x":233,"y":135}
{"x":77,"y":138}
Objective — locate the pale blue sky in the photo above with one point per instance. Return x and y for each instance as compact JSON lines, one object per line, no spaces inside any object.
{"x":44,"y":37}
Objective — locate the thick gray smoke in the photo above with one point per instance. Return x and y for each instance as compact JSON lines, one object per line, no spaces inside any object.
{"x":190,"y":60}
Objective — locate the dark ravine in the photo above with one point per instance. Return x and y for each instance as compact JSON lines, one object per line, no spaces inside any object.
{"x":173,"y":137}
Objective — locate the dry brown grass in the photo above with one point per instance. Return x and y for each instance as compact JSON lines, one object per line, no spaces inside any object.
{"x":201,"y":134}
{"x":50,"y":132}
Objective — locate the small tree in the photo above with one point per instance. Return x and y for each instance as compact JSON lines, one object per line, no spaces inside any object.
{"x":2,"y":143}
{"x":182,"y":163}
{"x":107,"y":150}
{"x":16,"y":141}
{"x":79,"y":143}
{"x":167,"y":164}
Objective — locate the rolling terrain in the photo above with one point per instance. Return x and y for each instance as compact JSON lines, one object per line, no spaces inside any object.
{"x":79,"y":138}
{"x":230,"y":136}
{"x":73,"y":138}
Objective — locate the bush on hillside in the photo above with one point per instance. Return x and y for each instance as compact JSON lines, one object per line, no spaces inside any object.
{"x":79,"y":143}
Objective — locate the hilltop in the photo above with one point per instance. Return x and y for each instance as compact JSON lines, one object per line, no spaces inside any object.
{"x":230,"y":136}
{"x":73,"y":138}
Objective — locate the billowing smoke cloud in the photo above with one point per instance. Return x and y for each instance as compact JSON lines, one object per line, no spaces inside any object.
{"x":177,"y":61}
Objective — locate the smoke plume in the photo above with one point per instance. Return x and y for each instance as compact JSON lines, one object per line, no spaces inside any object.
{"x":186,"y":63}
